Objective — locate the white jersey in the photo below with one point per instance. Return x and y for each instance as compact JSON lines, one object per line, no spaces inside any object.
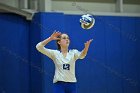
{"x":64,"y":66}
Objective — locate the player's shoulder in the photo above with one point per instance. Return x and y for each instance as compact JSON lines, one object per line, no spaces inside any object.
{"x":73,"y":50}
{"x":56,"y":51}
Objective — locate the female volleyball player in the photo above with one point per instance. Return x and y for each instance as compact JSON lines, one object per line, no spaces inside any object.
{"x":64,"y":60}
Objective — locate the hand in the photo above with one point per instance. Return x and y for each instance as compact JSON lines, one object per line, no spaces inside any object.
{"x":88,"y":43}
{"x":85,"y":50}
{"x":55,"y":35}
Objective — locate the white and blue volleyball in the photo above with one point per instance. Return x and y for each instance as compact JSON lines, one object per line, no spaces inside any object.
{"x":87,"y":21}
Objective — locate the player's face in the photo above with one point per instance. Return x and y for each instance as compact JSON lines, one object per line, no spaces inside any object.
{"x":64,"y":40}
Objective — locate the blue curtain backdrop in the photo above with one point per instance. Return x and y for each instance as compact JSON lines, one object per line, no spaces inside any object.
{"x":111,"y":65}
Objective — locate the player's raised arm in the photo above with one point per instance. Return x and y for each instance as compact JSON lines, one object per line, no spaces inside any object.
{"x":85,"y":50}
{"x":54,"y":36}
{"x":41,"y":45}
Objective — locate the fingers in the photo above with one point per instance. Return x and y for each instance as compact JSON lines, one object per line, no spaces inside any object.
{"x":91,"y":40}
{"x":56,"y":33}
{"x":88,"y":42}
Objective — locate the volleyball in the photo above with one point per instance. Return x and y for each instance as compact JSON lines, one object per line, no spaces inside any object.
{"x":87,"y":21}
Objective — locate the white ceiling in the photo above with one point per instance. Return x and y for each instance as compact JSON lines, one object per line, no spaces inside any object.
{"x":105,"y":1}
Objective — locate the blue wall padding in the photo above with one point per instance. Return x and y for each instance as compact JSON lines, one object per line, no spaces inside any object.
{"x":111,"y":65}
{"x":14,"y":54}
{"x":35,"y":58}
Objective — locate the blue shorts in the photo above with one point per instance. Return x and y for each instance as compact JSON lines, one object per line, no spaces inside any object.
{"x":64,"y":87}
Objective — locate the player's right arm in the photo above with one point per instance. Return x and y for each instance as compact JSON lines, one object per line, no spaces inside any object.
{"x":41,"y":45}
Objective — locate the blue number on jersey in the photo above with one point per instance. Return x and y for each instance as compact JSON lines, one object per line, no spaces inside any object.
{"x":66,"y":66}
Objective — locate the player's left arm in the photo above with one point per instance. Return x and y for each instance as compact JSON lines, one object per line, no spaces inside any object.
{"x":85,"y":50}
